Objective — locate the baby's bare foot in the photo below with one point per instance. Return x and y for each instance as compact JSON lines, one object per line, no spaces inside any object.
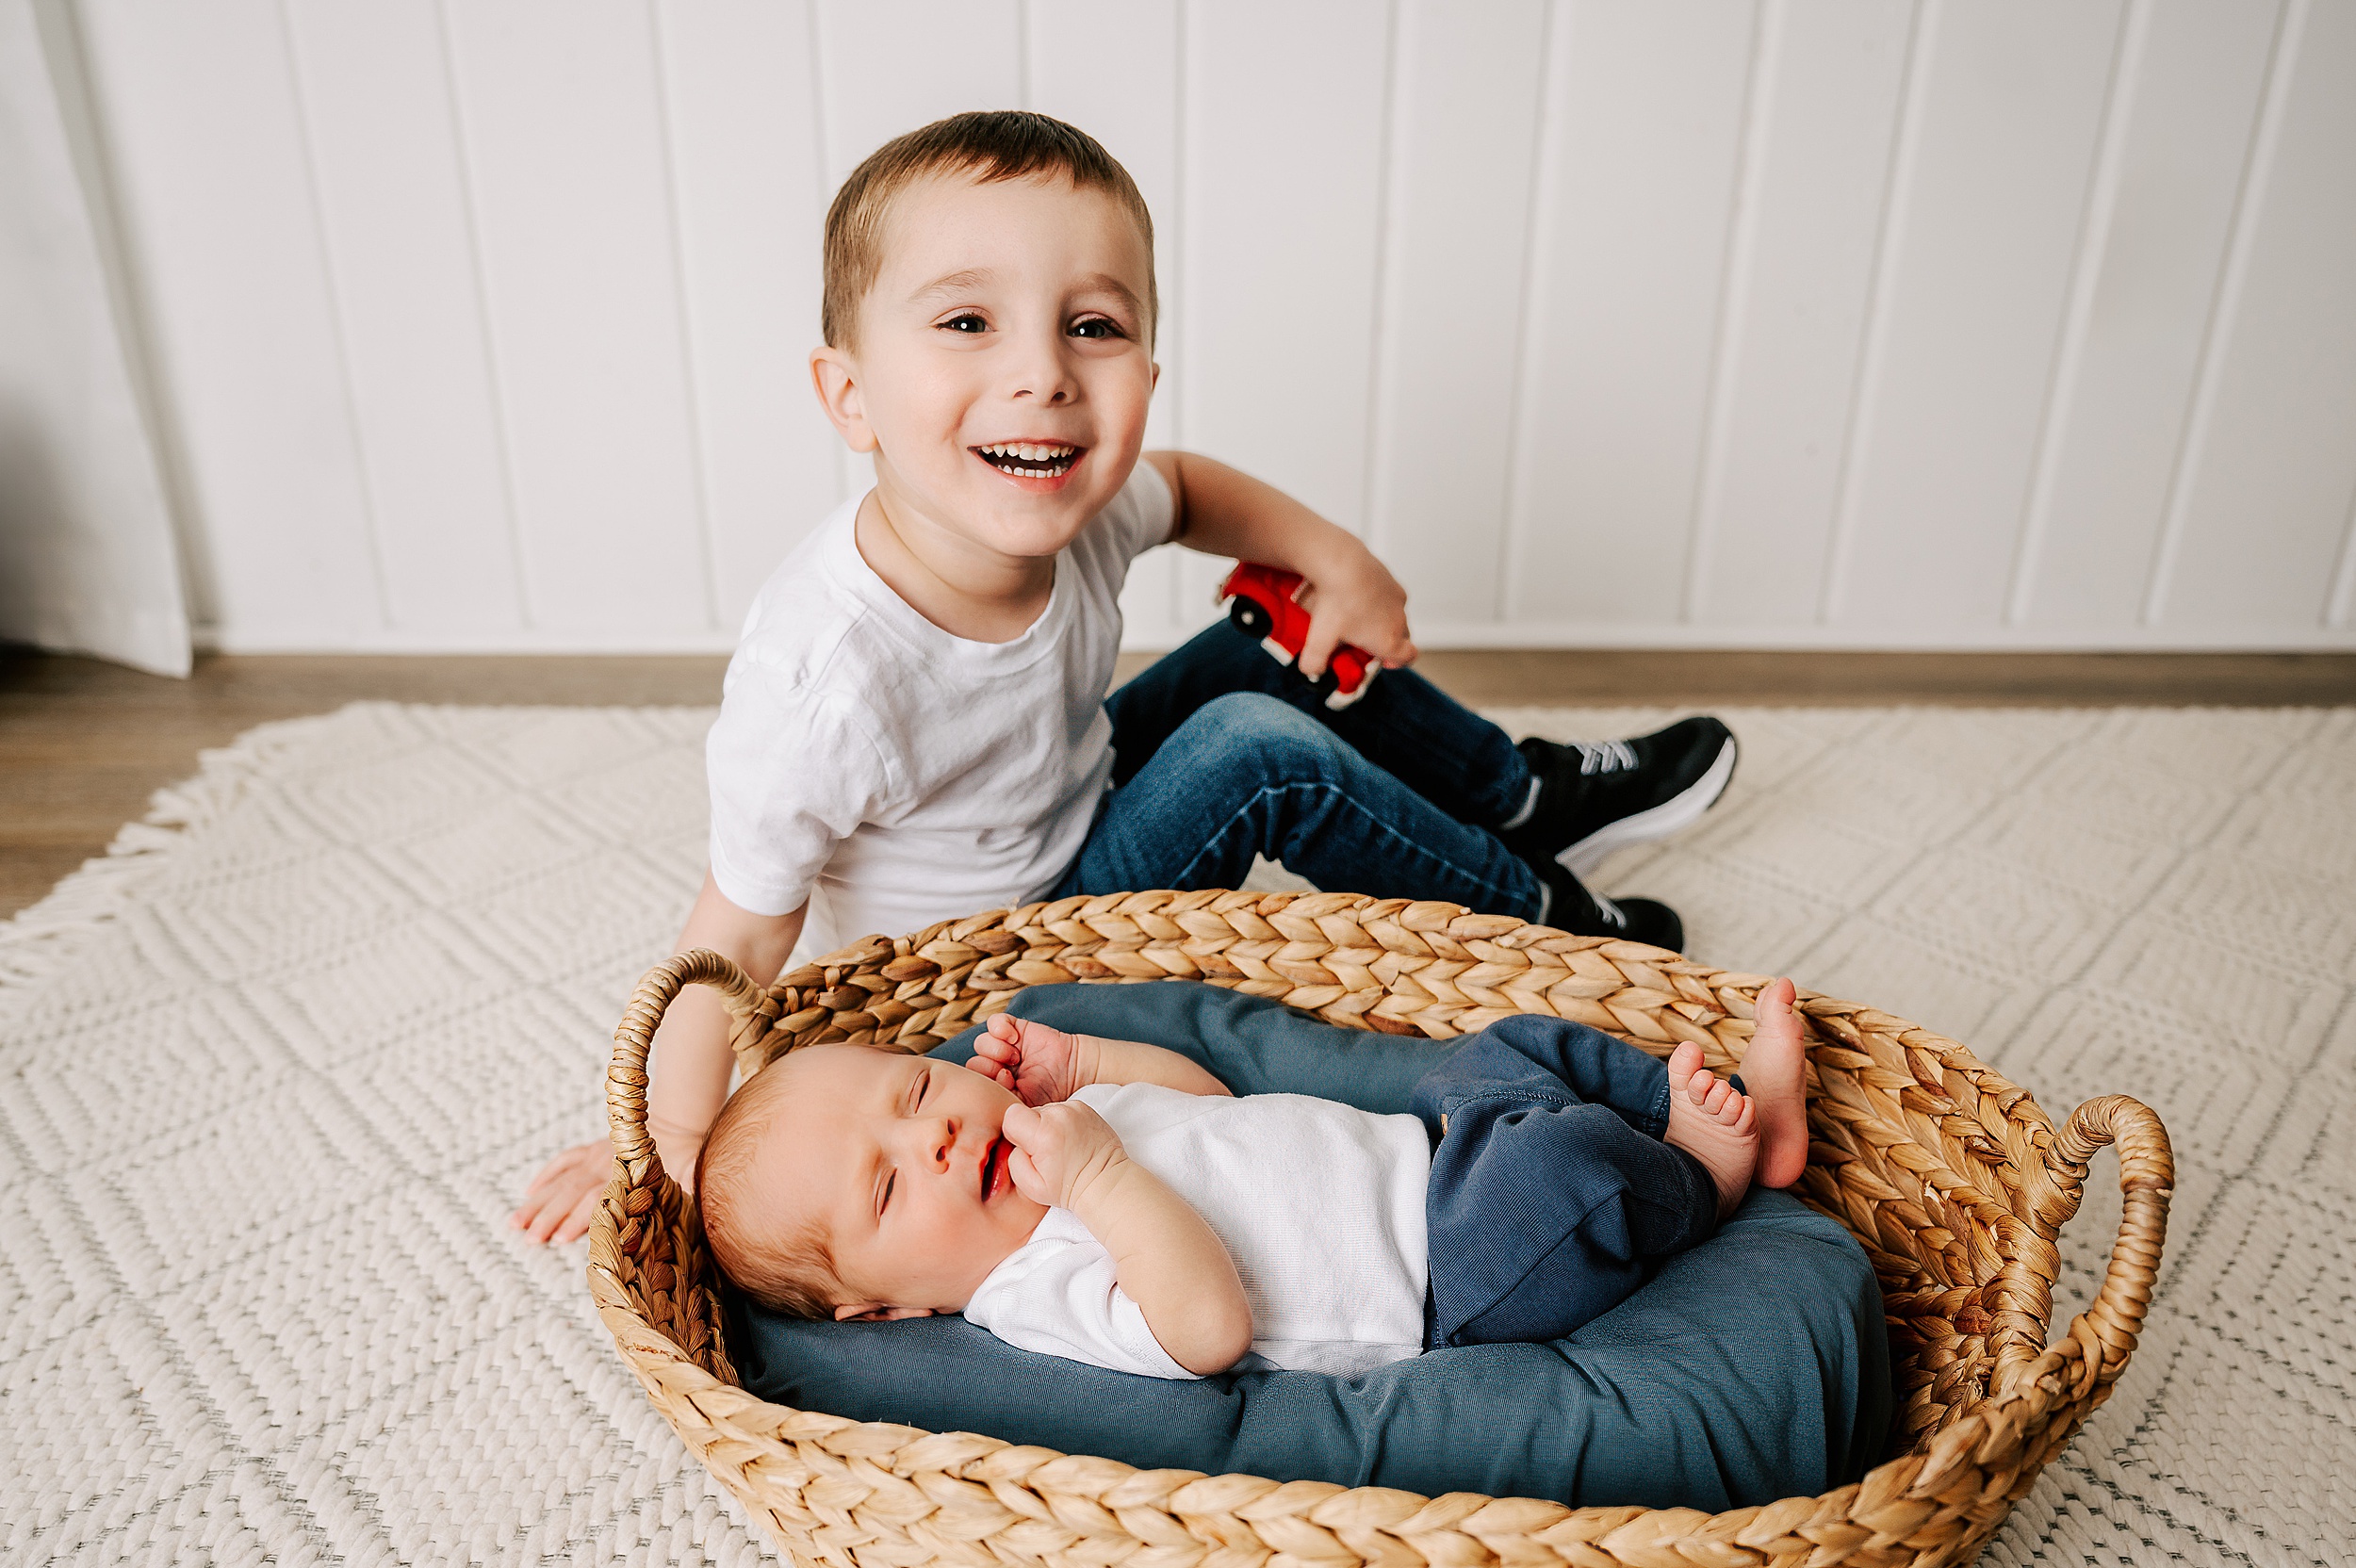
{"x":1775,"y":1069}
{"x":1712,"y":1122}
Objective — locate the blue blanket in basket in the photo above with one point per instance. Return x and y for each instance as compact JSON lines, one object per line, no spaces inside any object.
{"x":1750,"y":1368}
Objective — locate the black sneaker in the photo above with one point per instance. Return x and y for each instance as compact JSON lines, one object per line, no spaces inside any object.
{"x":1595,"y":796}
{"x":1570,"y":906}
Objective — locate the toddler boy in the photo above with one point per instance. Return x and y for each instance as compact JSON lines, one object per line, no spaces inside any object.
{"x":1108,"y":1202}
{"x":915,"y":727}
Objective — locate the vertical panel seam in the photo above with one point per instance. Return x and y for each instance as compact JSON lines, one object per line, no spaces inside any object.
{"x":511,"y":485}
{"x":2224,"y":306}
{"x":1767,"y":22}
{"x":1385,"y":214}
{"x":1897,"y":193}
{"x":699,"y":444}
{"x":2336,"y":608}
{"x":1179,"y":231}
{"x":1023,"y":53}
{"x":1539,"y":213}
{"x":370,"y":533}
{"x":845,"y":479}
{"x":2093,"y":247}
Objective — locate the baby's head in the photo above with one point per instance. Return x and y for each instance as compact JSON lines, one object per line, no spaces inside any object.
{"x":989,"y":286}
{"x":842,"y":1180}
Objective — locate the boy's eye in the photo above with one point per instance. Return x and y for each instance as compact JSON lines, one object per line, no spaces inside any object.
{"x":965,"y":322}
{"x":1096,"y":326}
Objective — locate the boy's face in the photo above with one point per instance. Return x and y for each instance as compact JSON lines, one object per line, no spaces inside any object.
{"x":902,"y":1163}
{"x":1007,"y":314}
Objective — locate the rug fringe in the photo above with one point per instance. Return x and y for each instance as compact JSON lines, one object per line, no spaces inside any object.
{"x":42,"y":935}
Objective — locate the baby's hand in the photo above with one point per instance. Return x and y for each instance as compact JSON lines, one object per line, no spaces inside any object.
{"x":1039,"y":1065}
{"x":1060,"y":1150}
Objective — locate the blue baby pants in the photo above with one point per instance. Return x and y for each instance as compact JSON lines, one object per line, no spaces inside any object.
{"x":1552,"y":1193}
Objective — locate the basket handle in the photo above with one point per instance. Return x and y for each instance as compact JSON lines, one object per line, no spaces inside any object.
{"x":2147,"y":1180}
{"x":634,"y":1153}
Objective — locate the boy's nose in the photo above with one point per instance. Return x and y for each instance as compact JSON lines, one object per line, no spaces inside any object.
{"x":1043,"y":374}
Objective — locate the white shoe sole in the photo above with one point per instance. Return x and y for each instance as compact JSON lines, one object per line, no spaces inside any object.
{"x":1680,"y":810}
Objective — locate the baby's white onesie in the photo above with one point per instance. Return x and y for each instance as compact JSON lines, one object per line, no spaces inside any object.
{"x":1319,"y":1204}
{"x":895,"y":775}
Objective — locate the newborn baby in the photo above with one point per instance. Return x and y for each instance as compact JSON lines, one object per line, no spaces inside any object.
{"x":1112,"y":1202}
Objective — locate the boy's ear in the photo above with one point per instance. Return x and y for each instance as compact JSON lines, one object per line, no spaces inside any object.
{"x":876,"y":1311}
{"x":835,"y":380}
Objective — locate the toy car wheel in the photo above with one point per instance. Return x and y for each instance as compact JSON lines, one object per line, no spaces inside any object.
{"x":1249,"y":616}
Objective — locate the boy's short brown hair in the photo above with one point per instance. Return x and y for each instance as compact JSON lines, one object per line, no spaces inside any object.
{"x":988,"y":145}
{"x":792,"y":1273}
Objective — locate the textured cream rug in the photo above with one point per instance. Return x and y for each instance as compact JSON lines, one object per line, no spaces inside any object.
{"x":273,"y":1074}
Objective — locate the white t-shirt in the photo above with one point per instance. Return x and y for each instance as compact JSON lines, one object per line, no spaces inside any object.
{"x":894,"y":774}
{"x":1319,"y":1204}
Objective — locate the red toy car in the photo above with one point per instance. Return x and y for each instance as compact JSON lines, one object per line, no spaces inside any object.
{"x":1264,"y":603}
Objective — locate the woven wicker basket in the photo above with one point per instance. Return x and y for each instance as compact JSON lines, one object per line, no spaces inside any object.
{"x":1953,"y":1179}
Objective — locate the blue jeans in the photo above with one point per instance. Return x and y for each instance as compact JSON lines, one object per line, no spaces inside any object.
{"x":1552,"y":1193}
{"x":1220,"y":753}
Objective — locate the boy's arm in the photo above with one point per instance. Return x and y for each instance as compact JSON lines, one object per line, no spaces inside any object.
{"x":689,"y":1079}
{"x":690,"y":1072}
{"x":1223,"y":510}
{"x":1170,"y":1262}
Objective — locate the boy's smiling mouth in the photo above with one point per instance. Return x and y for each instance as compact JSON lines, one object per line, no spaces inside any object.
{"x":994,"y":1165}
{"x":1030,"y":459}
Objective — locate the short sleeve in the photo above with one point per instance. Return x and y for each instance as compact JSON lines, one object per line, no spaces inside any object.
{"x":1057,"y":1295}
{"x":1146,"y":510}
{"x":792,"y":774}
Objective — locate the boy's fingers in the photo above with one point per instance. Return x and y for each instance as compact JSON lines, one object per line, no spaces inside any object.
{"x":1317,"y":648}
{"x":577,"y":1223}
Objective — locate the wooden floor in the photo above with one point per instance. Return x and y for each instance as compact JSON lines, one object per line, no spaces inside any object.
{"x":83,"y":744}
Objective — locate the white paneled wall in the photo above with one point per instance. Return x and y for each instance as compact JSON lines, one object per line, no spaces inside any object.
{"x":483,"y":324}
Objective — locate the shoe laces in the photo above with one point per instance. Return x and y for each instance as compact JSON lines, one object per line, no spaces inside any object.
{"x":1604,"y":757}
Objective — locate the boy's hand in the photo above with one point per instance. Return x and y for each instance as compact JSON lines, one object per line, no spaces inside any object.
{"x":561,"y":1199}
{"x":1356,"y":600}
{"x":1039,"y":1065}
{"x":1060,"y":1152}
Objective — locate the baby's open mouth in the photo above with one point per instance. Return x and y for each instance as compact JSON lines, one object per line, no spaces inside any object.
{"x":993,"y":1162}
{"x":1030,"y":459}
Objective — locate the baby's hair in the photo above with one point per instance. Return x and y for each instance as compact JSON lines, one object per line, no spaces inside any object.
{"x":792,"y":1273}
{"x":990,"y":145}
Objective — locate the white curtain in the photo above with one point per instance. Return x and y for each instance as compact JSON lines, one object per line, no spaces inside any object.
{"x":87,"y":556}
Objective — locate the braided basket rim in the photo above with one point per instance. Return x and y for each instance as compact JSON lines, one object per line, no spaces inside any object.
{"x":1895,"y":1110}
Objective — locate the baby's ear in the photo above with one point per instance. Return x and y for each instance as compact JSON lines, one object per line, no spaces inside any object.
{"x":876,"y":1311}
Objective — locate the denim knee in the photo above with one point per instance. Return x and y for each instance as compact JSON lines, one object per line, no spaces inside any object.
{"x":1255,"y":734}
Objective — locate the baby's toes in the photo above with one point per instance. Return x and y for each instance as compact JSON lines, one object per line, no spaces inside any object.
{"x":1682,"y":1061}
{"x":1737,"y":1113}
{"x":1721,"y":1094}
{"x":1698,"y":1088}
